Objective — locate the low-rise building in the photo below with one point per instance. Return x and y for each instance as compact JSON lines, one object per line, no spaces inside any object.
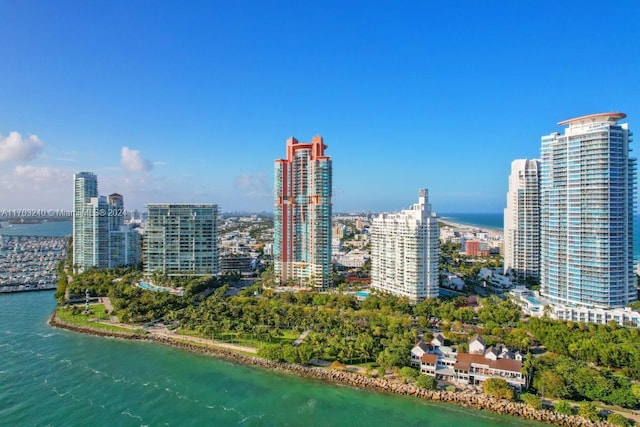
{"x":445,"y":363}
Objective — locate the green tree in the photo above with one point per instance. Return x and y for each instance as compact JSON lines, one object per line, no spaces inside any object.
{"x":427,"y":381}
{"x":589,"y":411}
{"x":497,"y":387}
{"x":271,"y":352}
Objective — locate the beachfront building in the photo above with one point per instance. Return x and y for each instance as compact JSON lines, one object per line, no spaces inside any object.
{"x":481,"y":363}
{"x":405,"y":252}
{"x":181,"y":239}
{"x":302,"y":215}
{"x":587,"y":184}
{"x":100,"y":238}
{"x":522,"y":221}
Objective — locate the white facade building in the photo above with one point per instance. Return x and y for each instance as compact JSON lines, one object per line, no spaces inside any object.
{"x":522,"y":220}
{"x":405,"y":252}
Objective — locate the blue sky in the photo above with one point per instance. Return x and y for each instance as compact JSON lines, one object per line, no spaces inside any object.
{"x":192,"y":101}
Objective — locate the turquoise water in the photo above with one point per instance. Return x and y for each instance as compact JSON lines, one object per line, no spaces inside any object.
{"x":151,"y":287}
{"x":533,"y":300}
{"x":60,"y":378}
{"x":496,"y":220}
{"x":488,"y":220}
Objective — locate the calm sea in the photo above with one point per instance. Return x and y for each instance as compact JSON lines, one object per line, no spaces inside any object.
{"x":496,"y":220}
{"x":55,"y":228}
{"x":55,"y":377}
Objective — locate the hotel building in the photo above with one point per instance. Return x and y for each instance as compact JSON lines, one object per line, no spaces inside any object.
{"x":405,"y":252}
{"x":302,"y":215}
{"x":587,"y":204}
{"x":522,"y":220}
{"x":181,"y":239}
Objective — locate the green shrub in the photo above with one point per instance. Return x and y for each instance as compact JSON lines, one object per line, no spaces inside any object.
{"x":409,"y":373}
{"x":497,"y":387}
{"x":427,"y":381}
{"x":563,"y":407}
{"x":589,"y":411}
{"x":618,"y":420}
{"x":531,"y":400}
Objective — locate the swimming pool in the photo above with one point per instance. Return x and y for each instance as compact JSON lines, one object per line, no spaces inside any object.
{"x":154,"y":288}
{"x":361,"y":294}
{"x":532,"y":300}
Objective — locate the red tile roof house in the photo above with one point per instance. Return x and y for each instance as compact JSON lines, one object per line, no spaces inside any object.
{"x":465,"y":368}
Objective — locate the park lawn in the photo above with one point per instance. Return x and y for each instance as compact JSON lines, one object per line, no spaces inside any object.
{"x":87,"y":320}
{"x":244,"y":339}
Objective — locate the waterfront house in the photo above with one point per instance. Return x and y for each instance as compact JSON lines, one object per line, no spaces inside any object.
{"x":445,"y":363}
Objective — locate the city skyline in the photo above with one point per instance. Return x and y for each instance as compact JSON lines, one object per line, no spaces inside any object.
{"x":435,"y":95}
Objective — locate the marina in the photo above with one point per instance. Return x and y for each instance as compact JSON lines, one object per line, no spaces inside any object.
{"x":28,"y":263}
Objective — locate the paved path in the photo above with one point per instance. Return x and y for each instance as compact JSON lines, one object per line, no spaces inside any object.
{"x":109,"y":308}
{"x":301,"y":338}
{"x":164,"y":332}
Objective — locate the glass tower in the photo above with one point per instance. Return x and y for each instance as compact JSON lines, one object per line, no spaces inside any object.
{"x":522,"y":220}
{"x":181,"y":239}
{"x":302,"y":215}
{"x":587,"y":204}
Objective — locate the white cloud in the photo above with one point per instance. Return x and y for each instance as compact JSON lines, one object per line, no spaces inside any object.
{"x":36,"y":187}
{"x":256,"y":185}
{"x":15,"y":148}
{"x":41,"y":174}
{"x":132,"y":161}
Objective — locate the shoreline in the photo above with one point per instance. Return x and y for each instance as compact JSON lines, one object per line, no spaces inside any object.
{"x":468,"y":400}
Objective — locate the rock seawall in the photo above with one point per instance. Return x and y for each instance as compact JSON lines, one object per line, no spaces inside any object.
{"x":476,"y":401}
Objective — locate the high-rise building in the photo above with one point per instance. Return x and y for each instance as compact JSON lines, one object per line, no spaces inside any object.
{"x":302,"y":215}
{"x":405,"y":252}
{"x":116,"y":211}
{"x":522,"y":220}
{"x":90,"y":226}
{"x":587,"y":204}
{"x":181,"y":239}
{"x":100,"y":238}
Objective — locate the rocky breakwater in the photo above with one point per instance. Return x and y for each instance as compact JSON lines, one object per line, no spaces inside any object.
{"x":465,"y":399}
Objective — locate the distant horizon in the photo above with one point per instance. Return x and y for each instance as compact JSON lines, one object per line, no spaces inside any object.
{"x":408,"y":95}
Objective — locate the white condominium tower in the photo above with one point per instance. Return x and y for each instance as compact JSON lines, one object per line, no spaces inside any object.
{"x":100,"y":238}
{"x":587,"y":195}
{"x":90,"y":224}
{"x":181,"y":239}
{"x":522,"y":220}
{"x":405,"y":252}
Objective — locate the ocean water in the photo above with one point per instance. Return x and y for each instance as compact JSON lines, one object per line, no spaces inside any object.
{"x":53,"y":377}
{"x":496,"y":221}
{"x":55,"y":228}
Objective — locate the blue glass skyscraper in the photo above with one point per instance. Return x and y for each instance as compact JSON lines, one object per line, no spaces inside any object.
{"x":587,"y":202}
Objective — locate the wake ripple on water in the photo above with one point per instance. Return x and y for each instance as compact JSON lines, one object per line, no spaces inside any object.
{"x":126,"y":412}
{"x":242,"y":416}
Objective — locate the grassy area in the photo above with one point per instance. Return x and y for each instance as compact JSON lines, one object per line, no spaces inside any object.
{"x":212,"y":345}
{"x":96,"y":312}
{"x":243,"y":339}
